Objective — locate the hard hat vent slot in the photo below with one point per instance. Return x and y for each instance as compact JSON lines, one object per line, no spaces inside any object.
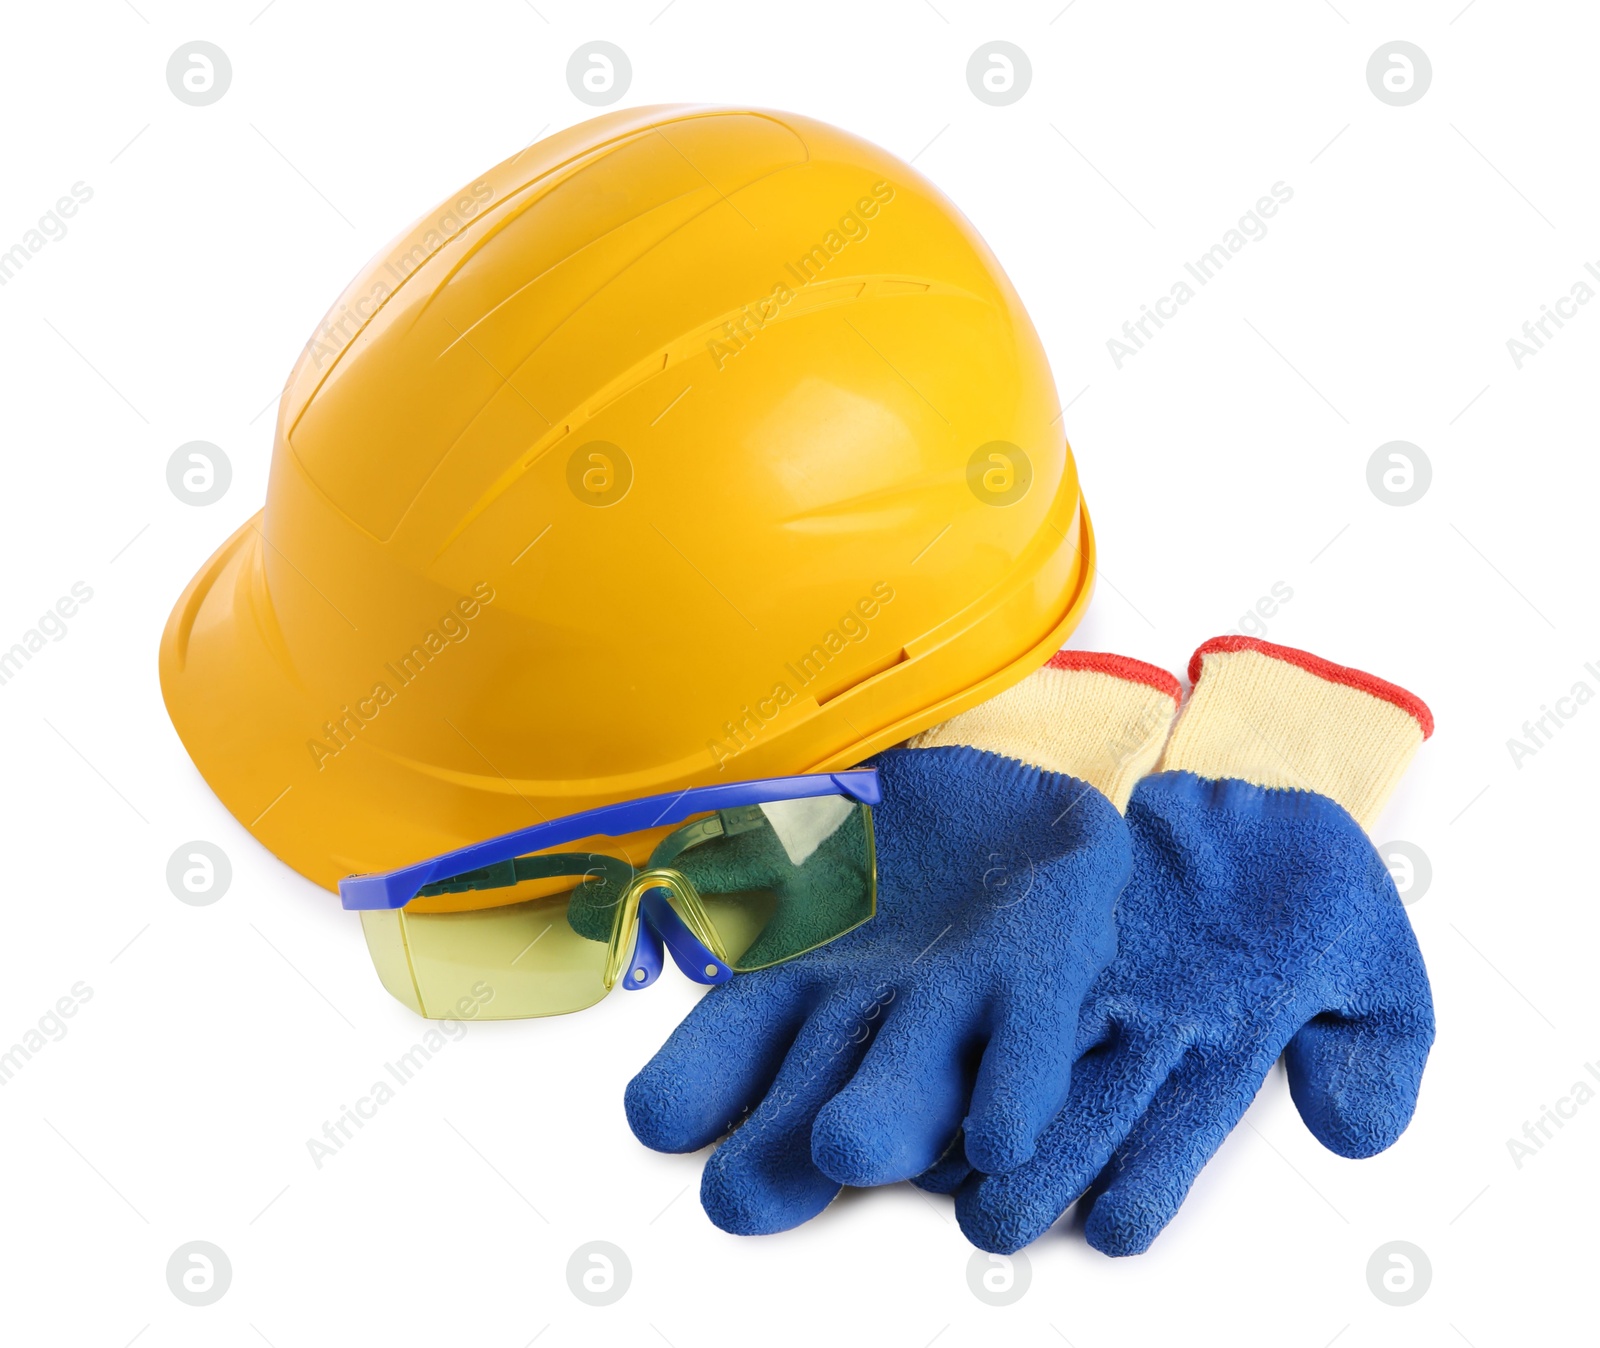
{"x":827,"y":694}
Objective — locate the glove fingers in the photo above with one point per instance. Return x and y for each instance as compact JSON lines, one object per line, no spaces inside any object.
{"x":948,"y":1173}
{"x":1111,"y":1085}
{"x":1151,"y":1172}
{"x":1355,"y":1081}
{"x":717,"y":1063}
{"x":899,"y":1112}
{"x":762,"y":1178}
{"x":1023,"y":1082}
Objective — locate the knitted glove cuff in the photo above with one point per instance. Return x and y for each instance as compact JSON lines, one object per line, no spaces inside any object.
{"x":1099,"y":718}
{"x":1278,"y":717}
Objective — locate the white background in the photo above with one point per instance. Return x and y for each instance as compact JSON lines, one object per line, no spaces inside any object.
{"x":1228,"y":455}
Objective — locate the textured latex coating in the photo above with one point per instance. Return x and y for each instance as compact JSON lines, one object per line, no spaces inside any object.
{"x":1259,"y":923}
{"x":957,"y":1004}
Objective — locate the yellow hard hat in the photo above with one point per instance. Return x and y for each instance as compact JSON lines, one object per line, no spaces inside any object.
{"x":689,"y":444}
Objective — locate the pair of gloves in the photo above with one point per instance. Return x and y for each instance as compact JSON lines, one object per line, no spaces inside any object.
{"x":1082,"y":969}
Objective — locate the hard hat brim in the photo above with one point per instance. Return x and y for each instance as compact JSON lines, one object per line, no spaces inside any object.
{"x":250,"y":725}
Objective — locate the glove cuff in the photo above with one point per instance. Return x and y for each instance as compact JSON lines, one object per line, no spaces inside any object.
{"x":1278,"y":717}
{"x":1099,"y":718}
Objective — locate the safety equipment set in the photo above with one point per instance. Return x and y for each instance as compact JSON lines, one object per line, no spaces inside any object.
{"x":668,"y":548}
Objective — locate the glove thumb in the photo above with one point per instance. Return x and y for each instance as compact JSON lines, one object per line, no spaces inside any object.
{"x":1355,"y":1079}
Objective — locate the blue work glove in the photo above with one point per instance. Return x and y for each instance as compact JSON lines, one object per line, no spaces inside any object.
{"x":1259,"y":922}
{"x":957,"y":1004}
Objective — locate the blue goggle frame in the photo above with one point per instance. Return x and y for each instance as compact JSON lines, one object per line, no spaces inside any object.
{"x":396,"y":888}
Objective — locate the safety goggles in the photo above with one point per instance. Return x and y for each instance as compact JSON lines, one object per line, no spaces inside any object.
{"x":726,"y":878}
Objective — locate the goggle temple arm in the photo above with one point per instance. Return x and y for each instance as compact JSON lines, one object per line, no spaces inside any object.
{"x":395,"y":889}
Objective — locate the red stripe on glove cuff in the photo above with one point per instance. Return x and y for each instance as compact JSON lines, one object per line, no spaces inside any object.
{"x":1409,"y":703}
{"x":1119,"y":667}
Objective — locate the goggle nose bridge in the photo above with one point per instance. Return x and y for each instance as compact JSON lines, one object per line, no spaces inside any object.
{"x":663,"y":929}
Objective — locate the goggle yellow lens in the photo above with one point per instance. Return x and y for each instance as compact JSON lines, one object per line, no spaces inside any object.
{"x":754,"y":885}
